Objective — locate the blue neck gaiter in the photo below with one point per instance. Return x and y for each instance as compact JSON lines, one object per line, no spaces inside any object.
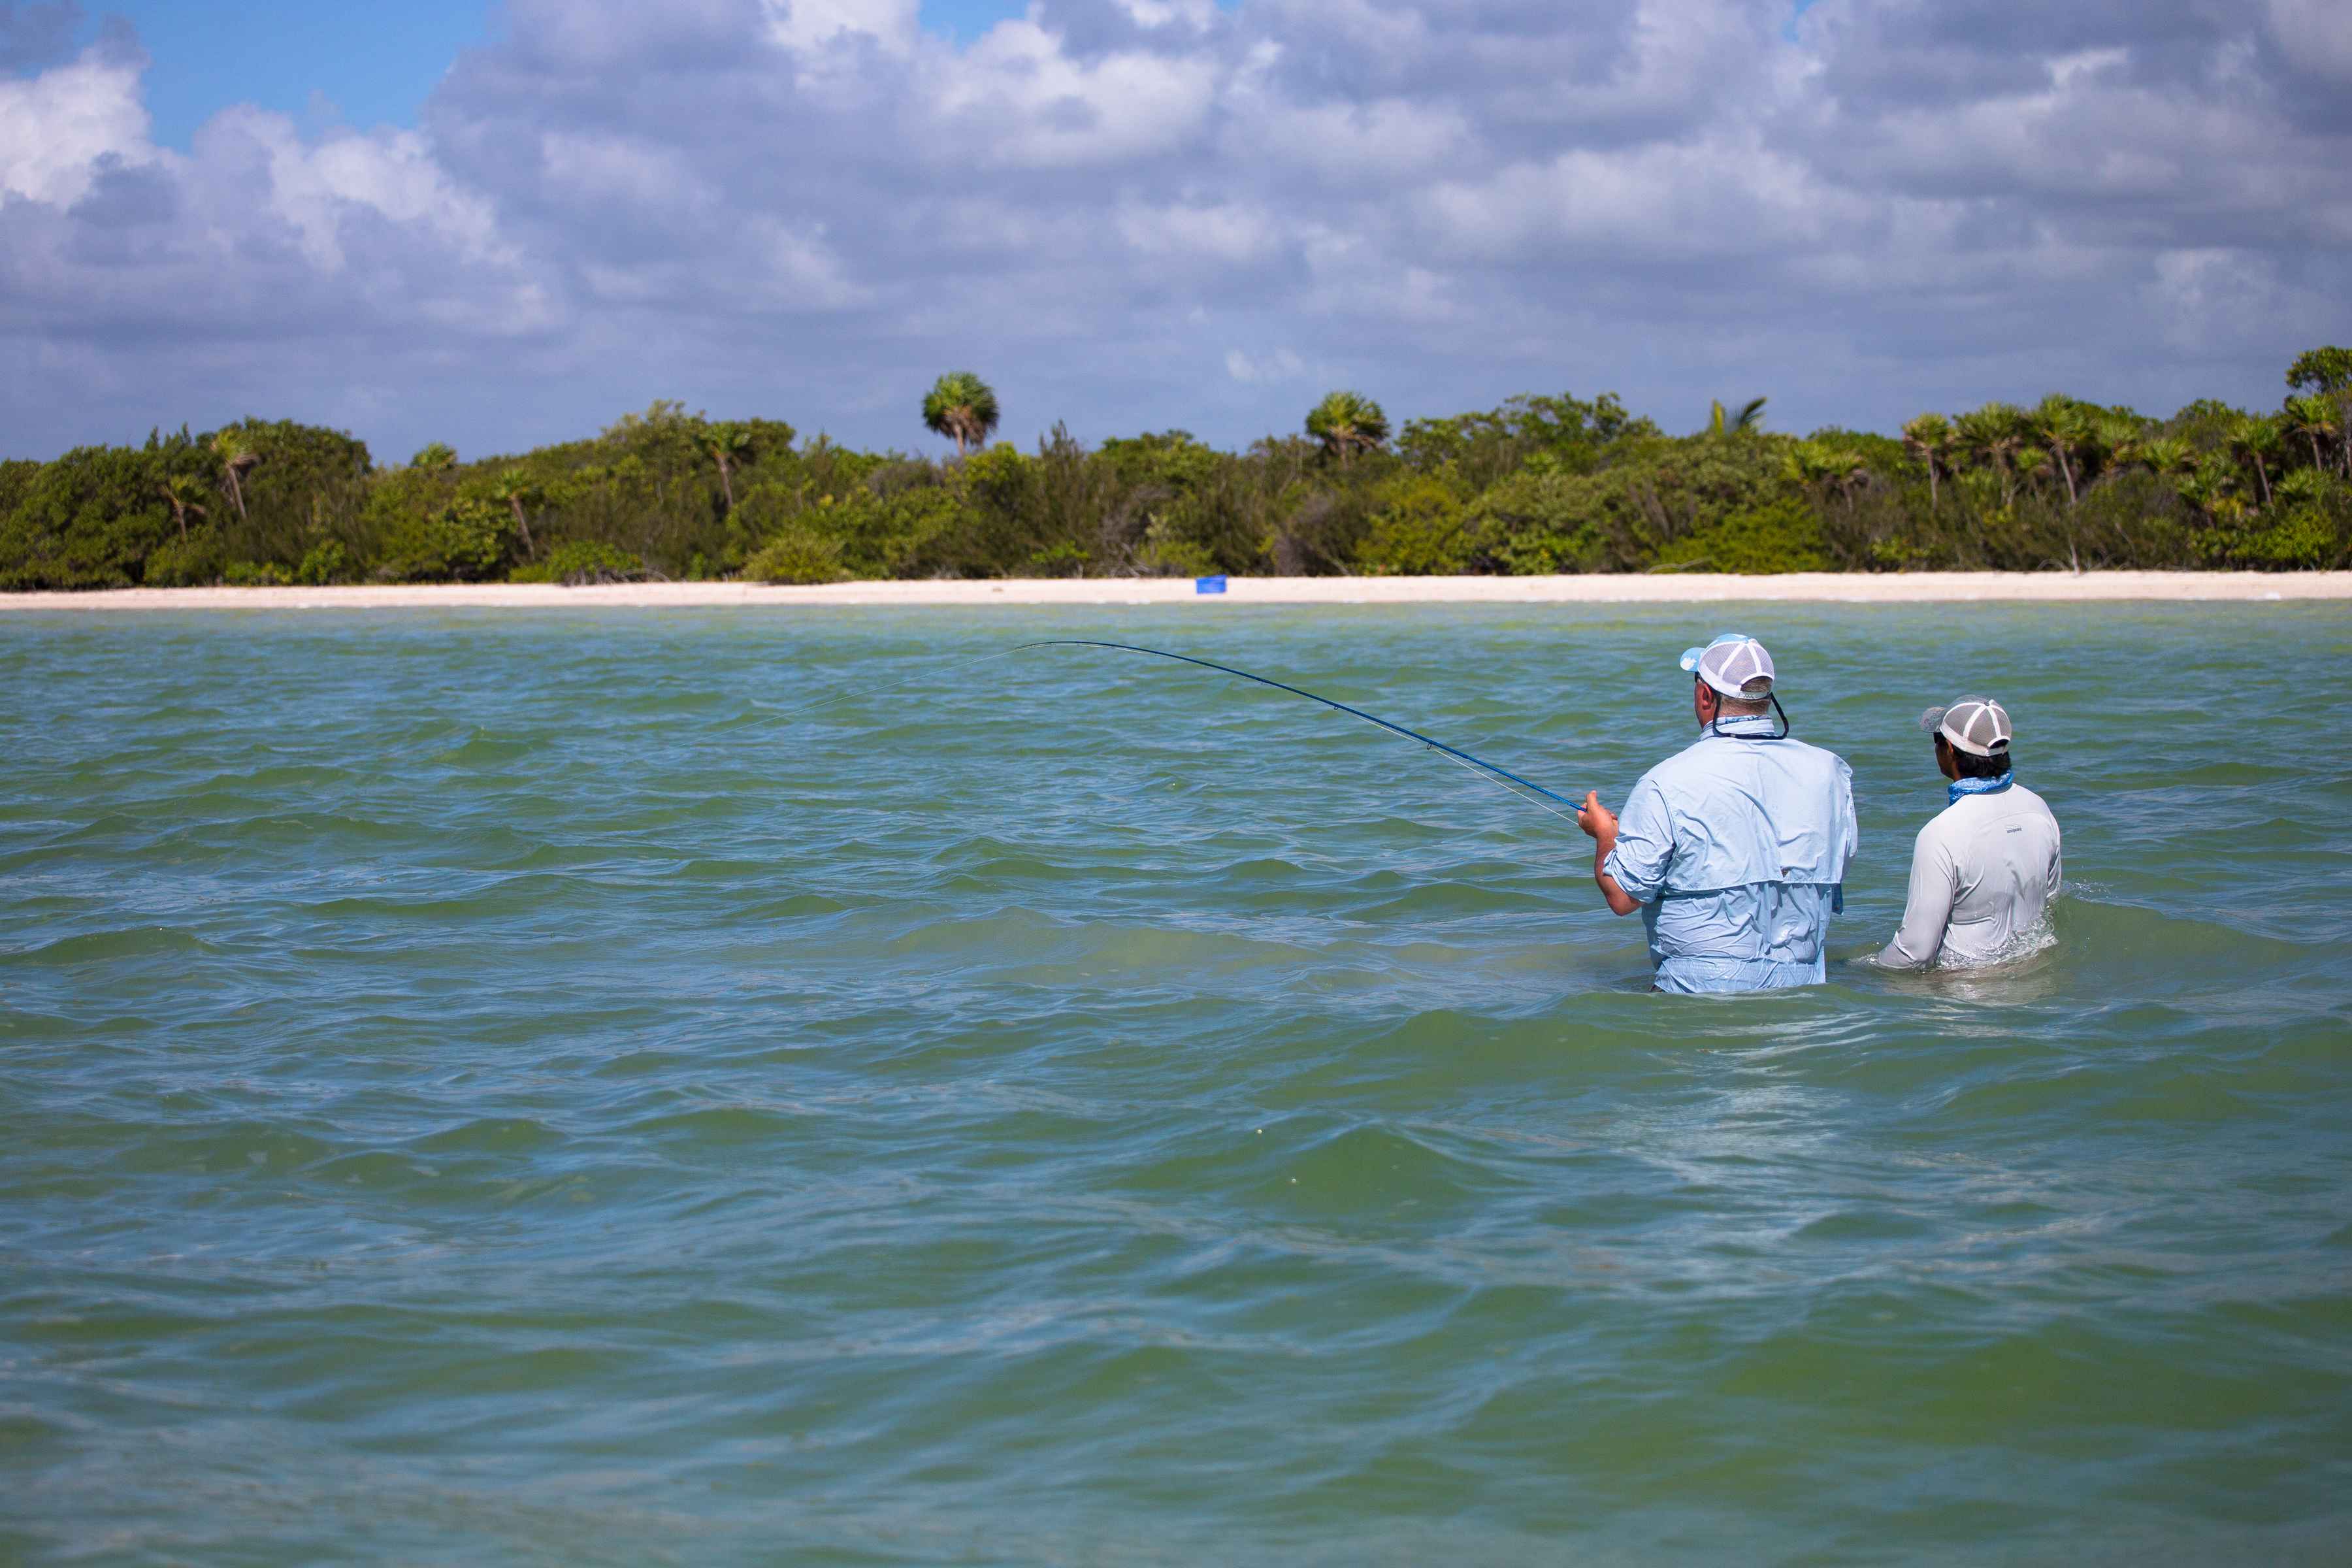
{"x":1961,"y":787}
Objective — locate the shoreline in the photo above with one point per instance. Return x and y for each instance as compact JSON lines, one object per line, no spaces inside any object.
{"x":1810,"y":587}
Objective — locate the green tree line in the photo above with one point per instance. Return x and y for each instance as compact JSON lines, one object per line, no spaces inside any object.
{"x":1539,"y":484}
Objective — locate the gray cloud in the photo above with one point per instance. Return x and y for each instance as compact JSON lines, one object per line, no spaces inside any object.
{"x":1143,"y":213}
{"x":34,"y":36}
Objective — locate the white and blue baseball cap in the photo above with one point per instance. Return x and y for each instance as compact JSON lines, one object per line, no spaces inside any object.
{"x":1977,"y":725}
{"x":1734,"y":664}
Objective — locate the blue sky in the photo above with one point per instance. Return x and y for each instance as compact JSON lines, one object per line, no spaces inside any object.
{"x":376,"y":64}
{"x":498,"y":224}
{"x":366,"y":64}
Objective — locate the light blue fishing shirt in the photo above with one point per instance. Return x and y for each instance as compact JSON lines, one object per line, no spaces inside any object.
{"x":1738,"y":849}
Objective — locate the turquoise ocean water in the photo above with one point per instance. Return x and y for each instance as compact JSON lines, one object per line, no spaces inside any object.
{"x":515,"y":1088}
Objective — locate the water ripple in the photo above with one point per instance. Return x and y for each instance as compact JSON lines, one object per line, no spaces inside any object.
{"x":525,"y":1086}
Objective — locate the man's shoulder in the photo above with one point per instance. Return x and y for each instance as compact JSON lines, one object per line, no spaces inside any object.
{"x":1656,"y":781}
{"x":2031,"y":801}
{"x":1972,"y":816}
{"x":2002,"y":804}
{"x":1947,"y":824}
{"x":1707,"y":757}
{"x":1691,"y":761}
{"x":1801,"y":759}
{"x":1826,"y":757}
{"x":2035,"y":806}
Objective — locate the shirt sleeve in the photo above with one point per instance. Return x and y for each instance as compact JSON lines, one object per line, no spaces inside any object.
{"x":1846,"y":822}
{"x":1645,"y":844}
{"x":1928,"y":909}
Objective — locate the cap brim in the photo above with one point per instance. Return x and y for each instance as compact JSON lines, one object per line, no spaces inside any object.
{"x":1933,"y":720}
{"x":1690,"y":659}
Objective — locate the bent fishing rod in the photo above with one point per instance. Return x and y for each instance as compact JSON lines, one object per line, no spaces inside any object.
{"x":1477,"y":766}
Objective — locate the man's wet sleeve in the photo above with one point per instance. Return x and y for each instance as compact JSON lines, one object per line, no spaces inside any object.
{"x":1645,"y":844}
{"x":1928,"y":908}
{"x":1847,"y":826}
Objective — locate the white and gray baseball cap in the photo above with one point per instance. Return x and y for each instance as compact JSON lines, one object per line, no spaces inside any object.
{"x":1732,"y":664}
{"x":1977,"y":725}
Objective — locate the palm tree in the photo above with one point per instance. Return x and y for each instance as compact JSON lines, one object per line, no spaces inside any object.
{"x":435,"y":457}
{"x":2118,"y":437}
{"x":2257,"y":438}
{"x":1747,"y":422}
{"x":2303,"y":487}
{"x":516,"y":490}
{"x":186,"y":493}
{"x":1995,"y":433}
{"x":725,"y":443}
{"x":2167,"y":457}
{"x":2061,"y":425}
{"x":1929,"y":436}
{"x":2199,"y":489}
{"x":962,"y":407}
{"x":2205,"y":486}
{"x":1821,"y":468}
{"x":1972,"y":435}
{"x":2032,"y":465}
{"x":237,"y":455}
{"x":2314,"y":419}
{"x":1348,"y":422}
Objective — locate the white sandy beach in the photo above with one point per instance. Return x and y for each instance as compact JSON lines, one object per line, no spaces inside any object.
{"x":1821,"y":587}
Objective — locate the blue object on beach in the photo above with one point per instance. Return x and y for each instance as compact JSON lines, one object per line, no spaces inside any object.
{"x":1209,"y":585}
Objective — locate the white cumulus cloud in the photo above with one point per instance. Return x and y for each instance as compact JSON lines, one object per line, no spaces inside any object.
{"x":1139,"y":214}
{"x":55,"y":127}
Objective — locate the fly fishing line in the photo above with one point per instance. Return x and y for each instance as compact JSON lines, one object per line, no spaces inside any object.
{"x":1525,"y":789}
{"x":1528,"y":790}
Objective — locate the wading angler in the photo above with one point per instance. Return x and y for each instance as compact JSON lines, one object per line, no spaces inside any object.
{"x":1735,"y":849}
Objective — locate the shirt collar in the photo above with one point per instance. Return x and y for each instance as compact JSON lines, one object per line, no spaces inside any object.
{"x":1959,"y":790}
{"x":1745,"y":726}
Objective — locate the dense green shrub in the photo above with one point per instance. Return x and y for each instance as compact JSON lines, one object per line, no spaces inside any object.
{"x":1645,"y":495}
{"x":195,"y":562}
{"x":2309,"y":529}
{"x":89,"y":519}
{"x":306,"y":486}
{"x":324,"y":562}
{"x":1538,"y":484}
{"x":798,"y":552}
{"x":579,"y":561}
{"x":1172,"y":511}
{"x":908,"y":533}
{"x":1418,"y":529}
{"x":1306,"y":518}
{"x":1783,"y":535}
{"x":1565,"y":433}
{"x":17,"y":477}
{"x":463,"y":541}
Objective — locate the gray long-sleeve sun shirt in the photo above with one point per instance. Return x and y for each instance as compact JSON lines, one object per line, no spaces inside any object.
{"x":1983,"y":872}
